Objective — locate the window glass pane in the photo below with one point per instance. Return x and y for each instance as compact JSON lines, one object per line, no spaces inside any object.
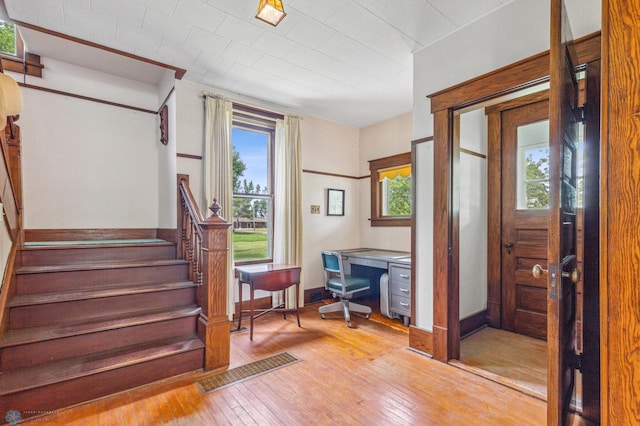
{"x":533,"y":166}
{"x":250,"y":161}
{"x":391,"y":190}
{"x":395,"y":184}
{"x":251,"y":237}
{"x":252,"y":197}
{"x":7,"y":38}
{"x":580,"y":167}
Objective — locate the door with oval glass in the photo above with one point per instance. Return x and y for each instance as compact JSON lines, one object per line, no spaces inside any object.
{"x":525,"y":203}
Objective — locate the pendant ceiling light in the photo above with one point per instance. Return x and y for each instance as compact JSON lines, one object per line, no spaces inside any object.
{"x":271,"y":11}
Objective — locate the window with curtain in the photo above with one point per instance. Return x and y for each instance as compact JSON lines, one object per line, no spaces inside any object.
{"x":252,"y":137}
{"x":395,"y":191}
{"x":391,"y":203}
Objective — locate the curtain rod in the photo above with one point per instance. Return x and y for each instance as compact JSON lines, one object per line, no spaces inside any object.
{"x":259,"y":111}
{"x":250,"y":108}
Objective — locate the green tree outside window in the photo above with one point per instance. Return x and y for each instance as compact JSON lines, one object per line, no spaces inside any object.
{"x":7,"y":38}
{"x":399,"y":196}
{"x":537,"y":186}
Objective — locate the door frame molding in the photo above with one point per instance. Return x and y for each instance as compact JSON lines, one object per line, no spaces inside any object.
{"x":444,"y":106}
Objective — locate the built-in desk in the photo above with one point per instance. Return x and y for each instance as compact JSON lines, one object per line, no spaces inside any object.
{"x":392,"y":269}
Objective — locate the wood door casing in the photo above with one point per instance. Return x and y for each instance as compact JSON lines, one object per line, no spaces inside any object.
{"x":510,"y":79}
{"x":619,"y":206}
{"x":524,"y":235}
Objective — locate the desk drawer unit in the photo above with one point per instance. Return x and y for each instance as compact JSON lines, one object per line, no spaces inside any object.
{"x":372,"y":263}
{"x":400,"y":289}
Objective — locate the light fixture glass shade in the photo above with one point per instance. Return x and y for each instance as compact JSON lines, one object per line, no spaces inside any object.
{"x":271,"y":11}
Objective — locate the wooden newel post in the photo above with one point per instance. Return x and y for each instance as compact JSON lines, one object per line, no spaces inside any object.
{"x":213,"y":324}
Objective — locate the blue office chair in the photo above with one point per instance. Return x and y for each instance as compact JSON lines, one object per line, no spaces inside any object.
{"x":343,"y":286}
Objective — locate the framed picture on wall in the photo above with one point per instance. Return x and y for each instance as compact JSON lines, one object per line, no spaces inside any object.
{"x":335,"y":202}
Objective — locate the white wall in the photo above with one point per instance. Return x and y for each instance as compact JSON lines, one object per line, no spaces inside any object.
{"x":384,"y":139}
{"x":423,"y":270}
{"x":516,"y":31}
{"x":95,"y":84}
{"x":88,"y":164}
{"x":190,"y":136}
{"x":167,"y":185}
{"x":330,"y":148}
{"x":473,"y":213}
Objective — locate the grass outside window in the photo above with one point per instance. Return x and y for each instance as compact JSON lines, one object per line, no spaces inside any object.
{"x":249,"y":245}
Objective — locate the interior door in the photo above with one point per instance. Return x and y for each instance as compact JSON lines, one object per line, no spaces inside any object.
{"x":562,"y":272}
{"x":590,"y":362}
{"x":525,"y":215}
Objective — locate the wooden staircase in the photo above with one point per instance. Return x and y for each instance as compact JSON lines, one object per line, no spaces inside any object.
{"x":85,"y":321}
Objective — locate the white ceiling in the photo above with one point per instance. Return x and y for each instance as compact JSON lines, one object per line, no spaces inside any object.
{"x":348,"y":61}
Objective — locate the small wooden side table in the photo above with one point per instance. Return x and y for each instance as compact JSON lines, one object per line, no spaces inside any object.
{"x":267,"y":277}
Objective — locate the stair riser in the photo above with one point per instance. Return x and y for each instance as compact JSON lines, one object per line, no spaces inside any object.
{"x":65,"y":256}
{"x":31,"y":354}
{"x":79,"y":280}
{"x":64,"y":394}
{"x":81,"y":310}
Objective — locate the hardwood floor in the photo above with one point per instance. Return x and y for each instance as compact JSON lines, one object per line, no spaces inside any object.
{"x":513,"y":359}
{"x":364,"y":375}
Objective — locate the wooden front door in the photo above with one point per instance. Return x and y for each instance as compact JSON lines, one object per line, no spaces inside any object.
{"x":525,"y":214}
{"x":562,"y":272}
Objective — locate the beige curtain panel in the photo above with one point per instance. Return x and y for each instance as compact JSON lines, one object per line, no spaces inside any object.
{"x":287,"y":241}
{"x":218,"y":172}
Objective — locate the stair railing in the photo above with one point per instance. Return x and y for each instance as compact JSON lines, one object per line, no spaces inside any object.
{"x":203,"y":243}
{"x":11,"y":209}
{"x":11,"y":179}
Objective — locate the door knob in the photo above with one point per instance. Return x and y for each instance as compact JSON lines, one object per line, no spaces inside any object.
{"x":508,"y":246}
{"x":574,"y":275}
{"x":538,"y":271}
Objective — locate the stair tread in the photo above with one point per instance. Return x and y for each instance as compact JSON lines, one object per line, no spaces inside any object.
{"x":72,"y":368}
{"x":97,"y":266}
{"x":40,"y":245}
{"x":38,"y":334}
{"x":94,"y":293}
